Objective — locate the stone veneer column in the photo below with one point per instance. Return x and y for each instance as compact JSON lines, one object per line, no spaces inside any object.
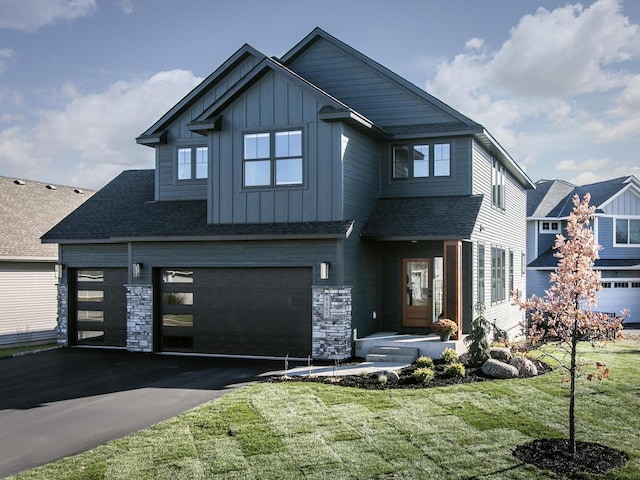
{"x":139,"y":318}
{"x":63,"y":315}
{"x":331,"y":334}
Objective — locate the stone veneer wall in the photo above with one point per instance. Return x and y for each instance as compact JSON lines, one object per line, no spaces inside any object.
{"x":63,"y":315}
{"x":331,"y":333}
{"x":139,"y":318}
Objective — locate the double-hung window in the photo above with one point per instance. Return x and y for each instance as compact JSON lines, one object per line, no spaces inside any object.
{"x":498,"y":270}
{"x":627,"y":231}
{"x":421,"y":161}
{"x":481,"y":293}
{"x":273,"y":159}
{"x":193,"y":163}
{"x":498,"y":184}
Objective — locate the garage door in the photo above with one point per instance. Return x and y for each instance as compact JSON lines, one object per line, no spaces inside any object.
{"x":618,"y":294}
{"x":236,"y":311}
{"x":98,"y":311}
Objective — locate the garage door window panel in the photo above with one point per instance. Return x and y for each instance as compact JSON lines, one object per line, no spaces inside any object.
{"x":177,"y":320}
{"x":90,"y":295}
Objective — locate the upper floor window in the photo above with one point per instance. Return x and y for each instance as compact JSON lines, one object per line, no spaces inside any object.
{"x":273,"y":158}
{"x":498,"y":184}
{"x":549,"y":227}
{"x":421,"y":161}
{"x":627,"y":231}
{"x":193,"y":163}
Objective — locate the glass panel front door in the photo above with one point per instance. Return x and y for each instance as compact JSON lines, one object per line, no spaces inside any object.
{"x":416,"y":293}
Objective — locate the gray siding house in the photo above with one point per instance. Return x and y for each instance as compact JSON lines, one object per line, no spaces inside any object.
{"x":297,"y":204}
{"x":616,"y":228}
{"x":28,"y":306}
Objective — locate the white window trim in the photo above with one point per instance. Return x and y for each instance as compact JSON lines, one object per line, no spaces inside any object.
{"x":550,"y":230}
{"x":624,"y":217}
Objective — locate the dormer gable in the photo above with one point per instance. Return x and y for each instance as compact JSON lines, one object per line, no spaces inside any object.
{"x":211,"y":88}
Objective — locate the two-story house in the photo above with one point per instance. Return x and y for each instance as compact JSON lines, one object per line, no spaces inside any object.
{"x":616,"y":228}
{"x":297,"y":203}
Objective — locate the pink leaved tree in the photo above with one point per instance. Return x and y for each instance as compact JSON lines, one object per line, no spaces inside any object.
{"x":565,"y":315}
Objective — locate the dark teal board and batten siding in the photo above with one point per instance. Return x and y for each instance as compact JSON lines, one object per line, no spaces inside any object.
{"x":178,"y":135}
{"x":361,"y":167}
{"x":458,"y":183}
{"x":273,"y":103}
{"x":94,"y":255}
{"x":505,"y":229}
{"x":369,"y":92}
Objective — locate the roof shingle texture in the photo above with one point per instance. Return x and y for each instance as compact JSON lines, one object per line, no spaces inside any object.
{"x":125,"y":208}
{"x":434,"y":218}
{"x":28,"y":211}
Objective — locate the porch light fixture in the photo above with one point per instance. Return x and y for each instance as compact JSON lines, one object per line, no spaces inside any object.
{"x":137,"y":268}
{"x":324,"y":270}
{"x":59,"y":270}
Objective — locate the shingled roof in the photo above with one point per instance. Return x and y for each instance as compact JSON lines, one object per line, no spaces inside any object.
{"x":27,"y":210}
{"x":125,"y":210}
{"x":553,"y":198}
{"x":423,"y":218}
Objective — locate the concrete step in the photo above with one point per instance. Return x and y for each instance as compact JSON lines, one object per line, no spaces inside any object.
{"x":393,"y":354}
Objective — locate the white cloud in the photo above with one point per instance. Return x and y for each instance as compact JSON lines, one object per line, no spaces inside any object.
{"x":5,"y":54}
{"x":30,"y":15}
{"x":126,"y":6}
{"x":91,"y":139}
{"x":534,"y":92}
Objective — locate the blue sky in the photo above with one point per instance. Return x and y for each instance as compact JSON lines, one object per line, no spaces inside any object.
{"x":557,"y":83}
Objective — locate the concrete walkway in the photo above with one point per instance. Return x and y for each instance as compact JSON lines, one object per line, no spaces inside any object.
{"x":344,"y":370}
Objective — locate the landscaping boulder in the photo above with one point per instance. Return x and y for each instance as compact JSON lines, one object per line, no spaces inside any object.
{"x":497,"y":369}
{"x":525,"y":367}
{"x":392,"y":377}
{"x":501,"y":353}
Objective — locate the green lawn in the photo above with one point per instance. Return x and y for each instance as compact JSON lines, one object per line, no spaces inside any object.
{"x":315,"y":431}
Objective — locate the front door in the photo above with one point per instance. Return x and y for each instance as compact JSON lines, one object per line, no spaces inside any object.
{"x":416,"y":293}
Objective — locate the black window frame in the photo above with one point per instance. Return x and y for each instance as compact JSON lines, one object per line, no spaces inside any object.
{"x":431,"y":169}
{"x":273,"y":159}
{"x":193,"y":177}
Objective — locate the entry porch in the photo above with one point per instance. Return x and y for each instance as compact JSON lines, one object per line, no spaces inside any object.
{"x":428,"y":345}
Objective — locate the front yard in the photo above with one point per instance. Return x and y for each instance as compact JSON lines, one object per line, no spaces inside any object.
{"x":291,"y":430}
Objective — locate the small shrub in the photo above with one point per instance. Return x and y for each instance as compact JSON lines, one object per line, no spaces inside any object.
{"x":449,"y":355}
{"x":423,"y":374}
{"x":424,"y":362}
{"x":454,"y":370}
{"x":478,"y":345}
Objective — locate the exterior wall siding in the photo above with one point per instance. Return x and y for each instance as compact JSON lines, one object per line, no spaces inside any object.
{"x":459,"y":183}
{"x":361,"y":162}
{"x":28,"y":298}
{"x":274,"y":103}
{"x":626,"y":204}
{"x":537,"y":282}
{"x":504,"y":229}
{"x":367,"y":91}
{"x":605,"y":226}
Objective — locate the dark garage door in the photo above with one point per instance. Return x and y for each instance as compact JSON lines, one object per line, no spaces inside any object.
{"x":98,"y":309}
{"x":237,"y":311}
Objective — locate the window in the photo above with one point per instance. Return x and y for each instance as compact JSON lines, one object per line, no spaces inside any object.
{"x":498,"y":181}
{"x":90,"y":276}
{"x":418,"y":161}
{"x":621,"y":285}
{"x":627,"y":231}
{"x":177,"y":320}
{"x":171,"y":275}
{"x":549,"y":227}
{"x":606,"y":284}
{"x":481,"y":273}
{"x":511,"y":280}
{"x":523,"y":263}
{"x":90,"y":295}
{"x":193,"y":163}
{"x":177,"y":298}
{"x":497,"y":274}
{"x":90,"y":316}
{"x":273,"y":159}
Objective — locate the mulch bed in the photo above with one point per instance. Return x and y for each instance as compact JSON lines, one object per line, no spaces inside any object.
{"x":546,"y":454}
{"x":554,"y":455}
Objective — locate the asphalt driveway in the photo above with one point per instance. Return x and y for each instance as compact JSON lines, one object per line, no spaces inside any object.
{"x":61,"y":402}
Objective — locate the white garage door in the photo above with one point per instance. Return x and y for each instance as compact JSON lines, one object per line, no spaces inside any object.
{"x":618,"y":294}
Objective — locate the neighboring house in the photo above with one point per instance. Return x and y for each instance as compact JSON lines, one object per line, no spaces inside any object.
{"x":28,"y":279}
{"x":296,"y":204}
{"x":616,"y":228}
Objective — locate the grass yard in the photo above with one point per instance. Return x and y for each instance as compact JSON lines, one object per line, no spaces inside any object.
{"x":10,"y":352}
{"x":315,"y":431}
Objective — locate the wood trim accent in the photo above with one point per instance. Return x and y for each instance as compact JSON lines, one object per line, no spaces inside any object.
{"x":453,"y":283}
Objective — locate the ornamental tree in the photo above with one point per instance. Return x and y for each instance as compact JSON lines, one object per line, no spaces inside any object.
{"x":565,"y":316}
